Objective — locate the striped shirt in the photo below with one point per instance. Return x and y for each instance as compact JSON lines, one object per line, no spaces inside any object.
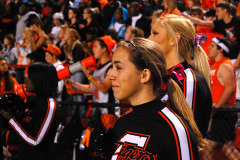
{"x":198,"y":95}
{"x":154,"y":131}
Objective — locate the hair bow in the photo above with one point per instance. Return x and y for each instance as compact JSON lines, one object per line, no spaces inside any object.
{"x":177,"y":70}
{"x":199,"y":38}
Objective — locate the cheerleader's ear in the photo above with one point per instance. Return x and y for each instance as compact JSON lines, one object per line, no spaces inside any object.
{"x":145,"y":76}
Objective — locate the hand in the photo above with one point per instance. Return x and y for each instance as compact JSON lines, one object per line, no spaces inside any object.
{"x":6,"y":115}
{"x":236,"y":65}
{"x":69,"y":81}
{"x":85,"y":70}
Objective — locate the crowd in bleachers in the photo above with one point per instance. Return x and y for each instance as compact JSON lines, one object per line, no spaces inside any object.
{"x":63,"y":32}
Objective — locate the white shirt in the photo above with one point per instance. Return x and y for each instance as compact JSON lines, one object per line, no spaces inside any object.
{"x":58,"y":65}
{"x":135,"y":19}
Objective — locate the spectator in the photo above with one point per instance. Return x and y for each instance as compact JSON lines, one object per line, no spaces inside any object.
{"x":100,"y":87}
{"x":8,"y":83}
{"x":107,"y":12}
{"x":170,"y":7}
{"x":133,"y":32}
{"x":24,"y":20}
{"x":74,"y":53}
{"x":37,"y":44}
{"x":138,"y":74}
{"x":118,"y":21}
{"x":65,"y":5}
{"x":52,"y":54}
{"x":229,"y":26}
{"x":30,"y":60}
{"x":91,"y":22}
{"x":8,"y":19}
{"x":37,"y":127}
{"x":23,"y":49}
{"x":208,"y":16}
{"x":72,"y":15}
{"x":136,"y":19}
{"x":223,"y":88}
{"x":58,"y":21}
{"x":175,"y":36}
{"x":226,"y":24}
{"x":10,"y":52}
{"x":60,"y":44}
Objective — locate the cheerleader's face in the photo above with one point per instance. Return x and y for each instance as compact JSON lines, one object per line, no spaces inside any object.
{"x":29,"y":85}
{"x":126,"y":79}
{"x":160,"y":36}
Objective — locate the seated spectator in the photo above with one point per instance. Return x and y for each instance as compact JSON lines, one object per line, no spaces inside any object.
{"x":133,"y":32}
{"x":38,"y":39}
{"x":30,"y":60}
{"x":170,"y":7}
{"x":52,"y":54}
{"x":223,"y":89}
{"x":10,"y":52}
{"x":118,"y":21}
{"x":74,"y":52}
{"x":208,"y":16}
{"x":7,"y":82}
{"x":91,"y":22}
{"x":23,"y":49}
{"x":60,"y":43}
{"x":137,"y":19}
{"x":58,"y":22}
{"x":72,"y":15}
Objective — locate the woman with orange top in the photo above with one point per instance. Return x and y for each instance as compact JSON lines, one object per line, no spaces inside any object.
{"x":7,"y":83}
{"x":170,"y":7}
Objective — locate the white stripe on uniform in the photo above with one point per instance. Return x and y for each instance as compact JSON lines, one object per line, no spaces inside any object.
{"x":189,"y":87}
{"x":181,"y":132}
{"x":44,"y":129}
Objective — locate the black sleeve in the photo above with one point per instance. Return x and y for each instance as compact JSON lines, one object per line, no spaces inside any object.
{"x":78,"y":53}
{"x":203,"y":106}
{"x":219,"y":26}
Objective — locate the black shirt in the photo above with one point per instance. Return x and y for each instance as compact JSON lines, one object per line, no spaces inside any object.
{"x":231,"y":31}
{"x":153,"y":131}
{"x":198,"y":95}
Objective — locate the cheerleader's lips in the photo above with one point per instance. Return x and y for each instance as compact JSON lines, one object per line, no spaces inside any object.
{"x":115,"y":86}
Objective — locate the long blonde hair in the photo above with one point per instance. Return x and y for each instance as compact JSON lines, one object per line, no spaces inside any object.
{"x":74,"y":38}
{"x":27,"y":31}
{"x":177,"y":24}
{"x":154,"y":60}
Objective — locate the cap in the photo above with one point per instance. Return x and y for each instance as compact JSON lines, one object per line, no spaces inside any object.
{"x":58,"y":15}
{"x":110,"y":43}
{"x":53,"y":49}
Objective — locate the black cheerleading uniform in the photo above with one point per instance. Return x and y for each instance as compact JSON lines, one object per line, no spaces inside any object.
{"x":153,"y":131}
{"x":198,"y":95}
{"x":37,"y":129}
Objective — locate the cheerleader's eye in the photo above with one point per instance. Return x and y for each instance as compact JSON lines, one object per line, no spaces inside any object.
{"x":155,"y":33}
{"x":118,"y":68}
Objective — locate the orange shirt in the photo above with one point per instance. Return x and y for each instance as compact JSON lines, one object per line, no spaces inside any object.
{"x":206,"y":4}
{"x":2,"y":87}
{"x":216,"y":87}
{"x":208,"y":31}
{"x":175,"y":11}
